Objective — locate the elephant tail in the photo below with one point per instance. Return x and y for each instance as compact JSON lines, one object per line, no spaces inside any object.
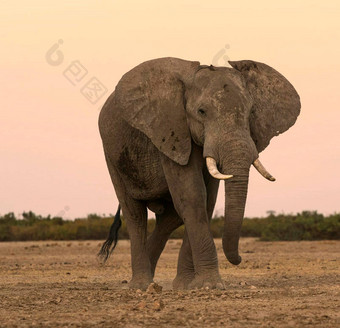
{"x":111,"y":241}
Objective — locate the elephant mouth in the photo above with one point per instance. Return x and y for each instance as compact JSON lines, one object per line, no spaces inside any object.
{"x":214,"y":172}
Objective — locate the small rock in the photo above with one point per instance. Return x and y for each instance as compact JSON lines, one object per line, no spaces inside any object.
{"x":141,"y":305}
{"x":124,"y":281}
{"x":138,"y":291}
{"x":243,"y":283}
{"x":154,"y":288}
{"x":158,"y":305}
{"x":252,"y":287}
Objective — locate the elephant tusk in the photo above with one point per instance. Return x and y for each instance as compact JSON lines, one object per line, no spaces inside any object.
{"x":213,"y":170}
{"x":259,"y":167}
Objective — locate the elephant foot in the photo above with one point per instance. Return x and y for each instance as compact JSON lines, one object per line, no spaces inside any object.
{"x":182,"y":281}
{"x":207,"y":280}
{"x":141,"y":283}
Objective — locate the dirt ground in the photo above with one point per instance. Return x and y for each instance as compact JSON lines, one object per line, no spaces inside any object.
{"x":61,"y":284}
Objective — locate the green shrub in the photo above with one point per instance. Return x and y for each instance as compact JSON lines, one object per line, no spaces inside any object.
{"x":306,"y":225}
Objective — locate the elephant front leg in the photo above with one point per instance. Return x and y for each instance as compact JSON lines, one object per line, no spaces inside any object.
{"x":204,"y":255}
{"x":185,"y":267}
{"x":188,"y":191}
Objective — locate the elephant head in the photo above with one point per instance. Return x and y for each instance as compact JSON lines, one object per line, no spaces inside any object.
{"x":231,"y":112}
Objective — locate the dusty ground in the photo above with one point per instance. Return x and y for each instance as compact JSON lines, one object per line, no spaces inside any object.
{"x":278,"y":284}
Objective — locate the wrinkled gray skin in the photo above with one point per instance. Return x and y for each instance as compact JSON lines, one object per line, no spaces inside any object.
{"x":164,"y":117}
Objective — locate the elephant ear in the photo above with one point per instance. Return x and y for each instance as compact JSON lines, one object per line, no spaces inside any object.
{"x":276,"y":103}
{"x":151,"y":99}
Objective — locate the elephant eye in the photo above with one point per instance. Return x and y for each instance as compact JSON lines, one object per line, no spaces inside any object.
{"x":201,"y":112}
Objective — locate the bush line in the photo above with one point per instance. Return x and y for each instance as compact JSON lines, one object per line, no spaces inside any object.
{"x":307,"y":225}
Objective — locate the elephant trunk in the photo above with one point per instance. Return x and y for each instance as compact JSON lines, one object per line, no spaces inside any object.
{"x":231,"y":161}
{"x":235,"y":200}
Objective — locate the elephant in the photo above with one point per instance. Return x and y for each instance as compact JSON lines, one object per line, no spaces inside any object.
{"x":171,"y":130}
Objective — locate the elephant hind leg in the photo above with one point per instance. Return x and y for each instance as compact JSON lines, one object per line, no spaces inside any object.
{"x":166,"y":223}
{"x":135,"y":216}
{"x":185,"y":266}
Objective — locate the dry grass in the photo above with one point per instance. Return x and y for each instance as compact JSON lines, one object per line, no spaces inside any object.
{"x":278,"y":284}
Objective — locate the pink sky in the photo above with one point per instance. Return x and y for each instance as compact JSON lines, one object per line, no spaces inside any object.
{"x":51,"y":155}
